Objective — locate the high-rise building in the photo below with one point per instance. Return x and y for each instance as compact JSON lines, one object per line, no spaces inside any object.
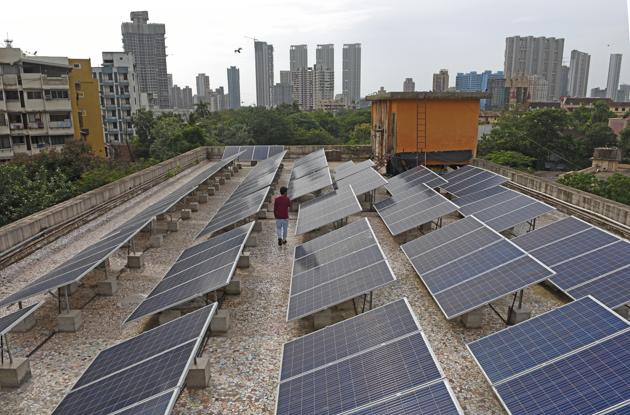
{"x":285,"y":77}
{"x":120,"y":96}
{"x":496,"y":87}
{"x":623,"y":95}
{"x":264,"y":73}
{"x":578,"y":73}
{"x":298,"y":57}
{"x":477,"y":82}
{"x":542,"y":56}
{"x":302,"y":88}
{"x":325,"y":56}
{"x":187,"y":97}
{"x":178,"y":99}
{"x":282,"y":91}
{"x":564,"y":81}
{"x":170,"y":89}
{"x":217,"y":100}
{"x":538,"y":88}
{"x":440,"y":81}
{"x":598,"y":93}
{"x":203,"y":86}
{"x":146,"y":42}
{"x":351,"y":75}
{"x":614,"y":70}
{"x":234,"y":88}
{"x":409,"y":85}
{"x":323,"y":86}
{"x":86,"y":106}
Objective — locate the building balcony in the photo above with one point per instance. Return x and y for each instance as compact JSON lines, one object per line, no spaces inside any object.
{"x":58,"y":105}
{"x":35,"y":125}
{"x":20,"y":149}
{"x":60,"y":124}
{"x":32,"y":81}
{"x":9,"y":81}
{"x":6,"y":153}
{"x":34,"y":105}
{"x":61,"y":81}
{"x":14,"y":106}
{"x":16,"y":126}
{"x":3,"y":105}
{"x":4,"y":129}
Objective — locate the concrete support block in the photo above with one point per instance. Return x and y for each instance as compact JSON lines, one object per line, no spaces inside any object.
{"x":234,"y":286}
{"x":518,"y":315}
{"x":107,"y":287}
{"x":203,"y":198}
{"x":199,"y":373}
{"x":227,"y":176}
{"x":243,"y":260}
{"x":213,"y":190}
{"x":161,"y":217}
{"x":221,"y":181}
{"x":69,"y":321}
{"x":194,"y":206}
{"x":135,"y":260}
{"x":156,"y":241}
{"x":234,"y":169}
{"x":239,"y":166}
{"x":253,"y":163}
{"x":172,"y":226}
{"x":25,"y":325}
{"x":72,"y":288}
{"x":13,"y":374}
{"x":472,"y":319}
{"x":251,"y":242}
{"x":168,"y":315}
{"x":220,"y":321}
{"x":257,"y":227}
{"x":322,"y":319}
{"x":262,"y":214}
{"x":186,"y":214}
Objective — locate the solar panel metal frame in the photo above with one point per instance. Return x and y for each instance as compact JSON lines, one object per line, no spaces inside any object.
{"x":9,"y":321}
{"x":384,"y":259}
{"x":362,"y":182}
{"x":172,"y":396}
{"x":230,"y":275}
{"x":356,"y":168}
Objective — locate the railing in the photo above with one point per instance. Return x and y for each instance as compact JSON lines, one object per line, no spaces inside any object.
{"x":60,"y":124}
{"x":16,"y":126}
{"x":35,"y":125}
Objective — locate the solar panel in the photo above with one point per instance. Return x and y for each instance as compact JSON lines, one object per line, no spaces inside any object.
{"x":480,"y":195}
{"x":229,"y":214}
{"x":140,"y":369}
{"x":460,"y":173}
{"x":309,"y":184}
{"x":344,"y":166}
{"x":326,"y":209}
{"x":320,"y":153}
{"x":342,"y":234}
{"x":248,"y":153}
{"x":467,"y":265}
{"x":275,"y":149}
{"x":469,"y":179}
{"x":587,"y":260}
{"x":363,"y":181}
{"x":260,"y":152}
{"x":9,"y":321}
{"x":229,"y":151}
{"x":338,"y":271}
{"x":162,"y":404}
{"x":412,"y":178}
{"x":419,"y":191}
{"x":574,"y":359}
{"x":378,"y":362}
{"x":211,"y":267}
{"x":309,"y":167}
{"x":354,"y":169}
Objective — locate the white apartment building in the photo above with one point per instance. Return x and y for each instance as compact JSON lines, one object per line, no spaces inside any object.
{"x":35,"y":107}
{"x":323,"y":86}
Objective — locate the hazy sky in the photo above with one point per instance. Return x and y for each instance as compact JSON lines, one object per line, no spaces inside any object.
{"x":400,"y":38}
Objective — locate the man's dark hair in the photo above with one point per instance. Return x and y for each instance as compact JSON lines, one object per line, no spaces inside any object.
{"x":283,"y":190}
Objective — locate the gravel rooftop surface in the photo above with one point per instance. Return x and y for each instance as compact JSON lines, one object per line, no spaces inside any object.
{"x":246,"y":361}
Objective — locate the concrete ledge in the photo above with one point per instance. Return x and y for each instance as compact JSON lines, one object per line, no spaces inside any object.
{"x":221,"y":321}
{"x":243,"y":260}
{"x":186,"y":214}
{"x":13,"y":374}
{"x":168,"y":315}
{"x":233,"y":287}
{"x":257,"y":227}
{"x":172,"y":225}
{"x":25,"y":325}
{"x":199,"y":374}
{"x":156,"y":241}
{"x":107,"y":287}
{"x":251,"y":242}
{"x":472,"y":319}
{"x":69,"y":321}
{"x":322,"y":319}
{"x":135,"y":260}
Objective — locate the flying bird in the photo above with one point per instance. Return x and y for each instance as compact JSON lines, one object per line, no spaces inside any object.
{"x":238,"y":50}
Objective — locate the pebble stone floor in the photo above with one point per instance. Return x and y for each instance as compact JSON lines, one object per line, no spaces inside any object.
{"x":246,"y":361}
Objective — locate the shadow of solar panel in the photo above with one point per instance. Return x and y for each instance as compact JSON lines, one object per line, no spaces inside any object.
{"x":363,"y":181}
{"x":612,"y":289}
{"x":433,"y":399}
{"x":546,"y":337}
{"x":585,"y":382}
{"x":550,"y":233}
{"x":11,"y":320}
{"x":349,"y":337}
{"x":160,"y":405}
{"x":354,"y":169}
{"x":353,"y":228}
{"x":326,"y":209}
{"x":361,"y":379}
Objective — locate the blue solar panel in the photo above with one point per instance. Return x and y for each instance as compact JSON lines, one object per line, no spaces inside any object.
{"x":611,"y":289}
{"x":546,"y":337}
{"x":470,"y":207}
{"x":480,"y":195}
{"x":586,"y":382}
{"x":332,"y":238}
{"x":445,"y":234}
{"x":159,"y":405}
{"x":412,"y":178}
{"x":11,"y":320}
{"x":551,"y":233}
{"x":489,"y":183}
{"x":509,"y":219}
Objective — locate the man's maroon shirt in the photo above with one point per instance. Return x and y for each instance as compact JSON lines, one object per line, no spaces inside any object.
{"x":281,"y":206}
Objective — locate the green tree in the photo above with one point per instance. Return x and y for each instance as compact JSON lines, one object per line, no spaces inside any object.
{"x":511,"y":158}
{"x":361,"y":134}
{"x":143,"y":122}
{"x":624,"y":143}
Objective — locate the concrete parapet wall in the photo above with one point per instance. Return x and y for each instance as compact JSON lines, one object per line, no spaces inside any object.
{"x":596,"y":204}
{"x":345,"y":152}
{"x":26,"y":228}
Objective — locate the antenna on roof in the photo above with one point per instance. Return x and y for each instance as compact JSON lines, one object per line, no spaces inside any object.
{"x":8,"y":43}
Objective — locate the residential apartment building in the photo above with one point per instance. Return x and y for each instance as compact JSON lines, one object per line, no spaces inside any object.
{"x":351,"y":73}
{"x":282,"y":92}
{"x":323,"y":86}
{"x":234,"y":88}
{"x":35,"y":105}
{"x":187,"y":97}
{"x":325,"y":56}
{"x":541,"y":56}
{"x":120,"y":97}
{"x":409,"y":85}
{"x":298,"y":57}
{"x":578,"y":73}
{"x":440,"y":81}
{"x":202,"y":82}
{"x":564,"y":81}
{"x":263,"y":55}
{"x":217,"y":100}
{"x":302,"y":88}
{"x":86,"y":106}
{"x":476,"y":82}
{"x":614,"y":71}
{"x":147,"y":43}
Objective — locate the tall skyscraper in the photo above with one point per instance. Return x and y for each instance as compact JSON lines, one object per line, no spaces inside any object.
{"x":264,"y":73}
{"x":325,"y":56}
{"x":285,"y":77}
{"x":614,"y":69}
{"x":623,"y":95}
{"x":542,"y":56}
{"x":187,"y":97}
{"x":598,"y":93}
{"x":169,"y":76}
{"x":351,"y":76}
{"x":302,"y":88}
{"x":234,"y":87}
{"x":282,"y":92}
{"x":298,"y":57}
{"x":440,"y":81}
{"x":146,"y":42}
{"x":578,"y":73}
{"x":203,"y":86}
{"x":477,"y":82}
{"x":409,"y":85}
{"x":564,"y":81}
{"x":323,"y":86}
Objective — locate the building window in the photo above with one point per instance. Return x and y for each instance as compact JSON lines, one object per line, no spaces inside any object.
{"x":56,"y":94}
{"x":125,"y":77}
{"x":34,"y":94}
{"x":5,"y":141}
{"x":56,"y":117}
{"x":12,"y":95}
{"x":57,"y":141}
{"x":110,"y":77}
{"x":76,"y":65}
{"x":40,"y":141}
{"x":18,"y":140}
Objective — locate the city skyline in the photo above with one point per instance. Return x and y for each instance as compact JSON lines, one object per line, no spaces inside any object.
{"x":346,"y":21}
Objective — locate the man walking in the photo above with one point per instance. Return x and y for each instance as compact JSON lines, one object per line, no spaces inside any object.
{"x":281,"y":205}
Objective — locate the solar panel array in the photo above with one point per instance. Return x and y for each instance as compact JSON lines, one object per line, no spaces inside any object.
{"x":252,"y":153}
{"x":363,"y":181}
{"x":308,"y":164}
{"x":574,"y":359}
{"x":248,"y":198}
{"x":401,"y":214}
{"x":413,"y":179}
{"x":326,"y":209}
{"x":348,"y":170}
{"x":200,"y":269}
{"x":501,"y":208}
{"x":313,"y":182}
{"x":144,"y":373}
{"x":470,"y":179}
{"x":89,"y":258}
{"x":587,"y":260}
{"x":9,"y":321}
{"x":378,"y":362}
{"x":336,"y":267}
{"x":466,"y":265}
